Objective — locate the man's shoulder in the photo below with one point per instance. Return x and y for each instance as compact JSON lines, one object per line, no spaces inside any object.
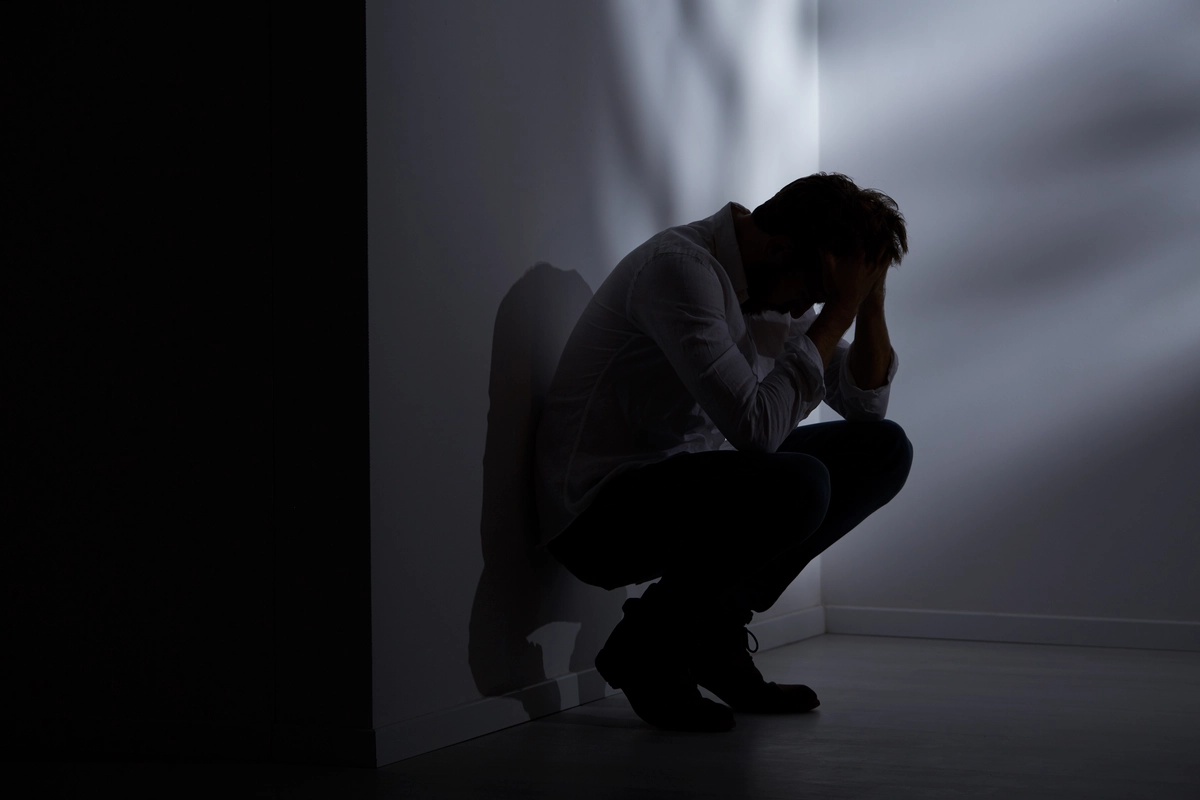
{"x":679,"y":250}
{"x":674,"y":262}
{"x":678,"y":259}
{"x":680,"y":273}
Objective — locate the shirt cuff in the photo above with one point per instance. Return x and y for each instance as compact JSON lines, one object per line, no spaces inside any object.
{"x":866,"y":399}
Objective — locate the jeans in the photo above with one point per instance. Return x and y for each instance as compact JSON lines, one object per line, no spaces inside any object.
{"x":729,"y":530}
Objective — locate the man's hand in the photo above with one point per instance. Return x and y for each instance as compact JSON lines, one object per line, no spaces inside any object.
{"x":848,"y":285}
{"x":873,"y":302}
{"x":871,"y":351}
{"x":849,"y":281}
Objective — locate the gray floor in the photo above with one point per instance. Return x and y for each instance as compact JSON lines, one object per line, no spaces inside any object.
{"x":899,"y":718}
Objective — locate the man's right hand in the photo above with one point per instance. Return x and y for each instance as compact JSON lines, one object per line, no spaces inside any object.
{"x":847,"y":283}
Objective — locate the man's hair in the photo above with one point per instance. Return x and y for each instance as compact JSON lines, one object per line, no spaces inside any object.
{"x":828,"y":213}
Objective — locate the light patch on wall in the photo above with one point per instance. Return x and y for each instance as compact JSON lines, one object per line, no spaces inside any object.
{"x":1047,"y":157}
{"x":711,"y":102}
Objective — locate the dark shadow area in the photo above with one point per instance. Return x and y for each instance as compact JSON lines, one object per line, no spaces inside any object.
{"x":184,"y":481}
{"x":523,"y":588}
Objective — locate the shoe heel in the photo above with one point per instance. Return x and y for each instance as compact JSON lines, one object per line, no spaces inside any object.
{"x":606,"y":668}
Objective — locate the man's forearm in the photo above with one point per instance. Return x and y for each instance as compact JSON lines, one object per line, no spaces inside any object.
{"x":827,"y":329}
{"x":871,"y":351}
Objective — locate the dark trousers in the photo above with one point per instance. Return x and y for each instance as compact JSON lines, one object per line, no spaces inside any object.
{"x":728,"y":531}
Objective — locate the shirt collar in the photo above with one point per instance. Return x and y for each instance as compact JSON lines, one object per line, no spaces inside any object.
{"x":726,"y":250}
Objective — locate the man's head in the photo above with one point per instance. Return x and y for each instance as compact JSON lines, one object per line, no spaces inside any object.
{"x":821,"y":215}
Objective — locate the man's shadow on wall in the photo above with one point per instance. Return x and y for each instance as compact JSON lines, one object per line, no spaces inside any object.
{"x":532,"y":621}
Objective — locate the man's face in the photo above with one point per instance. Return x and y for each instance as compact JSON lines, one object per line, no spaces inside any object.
{"x":781,"y":282}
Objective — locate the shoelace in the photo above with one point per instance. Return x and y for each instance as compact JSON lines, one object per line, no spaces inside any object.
{"x":750,"y":635}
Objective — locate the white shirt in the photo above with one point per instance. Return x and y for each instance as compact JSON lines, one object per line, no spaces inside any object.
{"x":663,"y":361}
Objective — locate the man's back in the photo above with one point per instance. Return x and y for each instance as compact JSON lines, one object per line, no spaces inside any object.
{"x":615,"y":402}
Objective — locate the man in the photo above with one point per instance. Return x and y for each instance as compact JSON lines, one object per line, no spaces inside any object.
{"x":669,"y":448}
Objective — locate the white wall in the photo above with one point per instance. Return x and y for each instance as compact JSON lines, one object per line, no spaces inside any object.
{"x":500,"y":135}
{"x":1047,"y":155}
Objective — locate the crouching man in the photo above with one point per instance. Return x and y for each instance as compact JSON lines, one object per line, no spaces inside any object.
{"x":668,"y":447}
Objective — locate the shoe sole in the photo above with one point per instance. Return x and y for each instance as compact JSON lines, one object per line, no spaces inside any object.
{"x":713,"y":718}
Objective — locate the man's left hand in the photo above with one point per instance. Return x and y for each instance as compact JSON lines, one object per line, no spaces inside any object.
{"x":873,"y":302}
{"x":871,"y":351}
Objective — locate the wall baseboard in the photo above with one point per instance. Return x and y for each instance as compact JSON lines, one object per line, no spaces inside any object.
{"x":789,"y":628}
{"x":433,"y":731}
{"x":424,"y":734}
{"x":1024,"y":628}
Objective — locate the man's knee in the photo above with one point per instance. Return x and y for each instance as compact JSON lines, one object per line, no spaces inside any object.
{"x":892,"y":452}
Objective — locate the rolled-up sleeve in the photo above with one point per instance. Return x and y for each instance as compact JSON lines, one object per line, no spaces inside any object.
{"x":844,"y":396}
{"x":681,"y":303}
